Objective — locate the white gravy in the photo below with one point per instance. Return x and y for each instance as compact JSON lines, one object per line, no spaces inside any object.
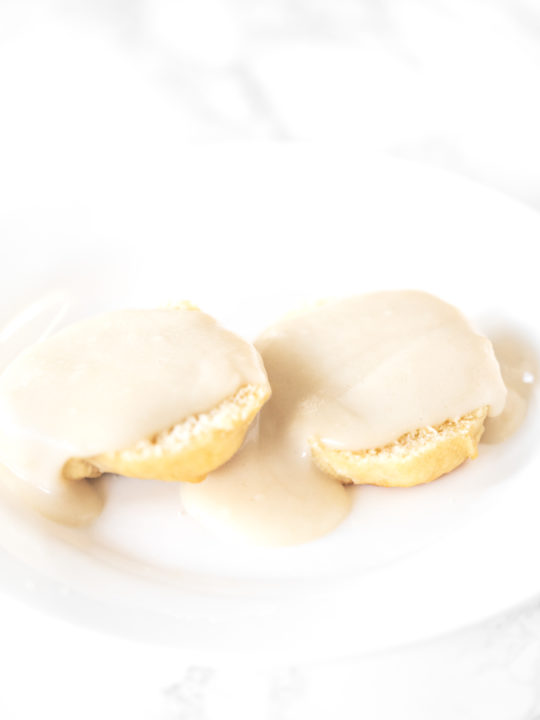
{"x":104,"y":384}
{"x":357,"y":373}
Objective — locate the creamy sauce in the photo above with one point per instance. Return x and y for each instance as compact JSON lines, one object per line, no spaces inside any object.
{"x":356,"y":373}
{"x":519,"y":368}
{"x":104,"y":384}
{"x":270,"y":492}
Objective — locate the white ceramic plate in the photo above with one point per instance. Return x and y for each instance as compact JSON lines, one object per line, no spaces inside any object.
{"x":247,"y":233}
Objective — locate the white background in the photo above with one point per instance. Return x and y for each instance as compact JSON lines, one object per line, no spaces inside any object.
{"x":455,"y":84}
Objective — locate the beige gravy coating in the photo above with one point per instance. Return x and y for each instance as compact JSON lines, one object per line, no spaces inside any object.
{"x":357,"y":373}
{"x":104,"y":384}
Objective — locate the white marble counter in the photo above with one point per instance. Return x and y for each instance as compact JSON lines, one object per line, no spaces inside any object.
{"x":455,"y":83}
{"x":451,"y":82}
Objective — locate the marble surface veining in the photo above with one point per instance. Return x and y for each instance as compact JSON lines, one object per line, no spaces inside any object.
{"x":450,"y":82}
{"x":455,"y":83}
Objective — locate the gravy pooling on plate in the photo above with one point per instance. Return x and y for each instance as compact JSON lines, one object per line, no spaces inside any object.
{"x":105,"y":384}
{"x":357,"y":373}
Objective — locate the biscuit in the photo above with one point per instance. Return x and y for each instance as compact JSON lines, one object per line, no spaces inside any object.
{"x":416,"y":457}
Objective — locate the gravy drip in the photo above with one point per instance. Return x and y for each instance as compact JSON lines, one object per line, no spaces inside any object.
{"x":356,"y":373}
{"x":104,"y":384}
